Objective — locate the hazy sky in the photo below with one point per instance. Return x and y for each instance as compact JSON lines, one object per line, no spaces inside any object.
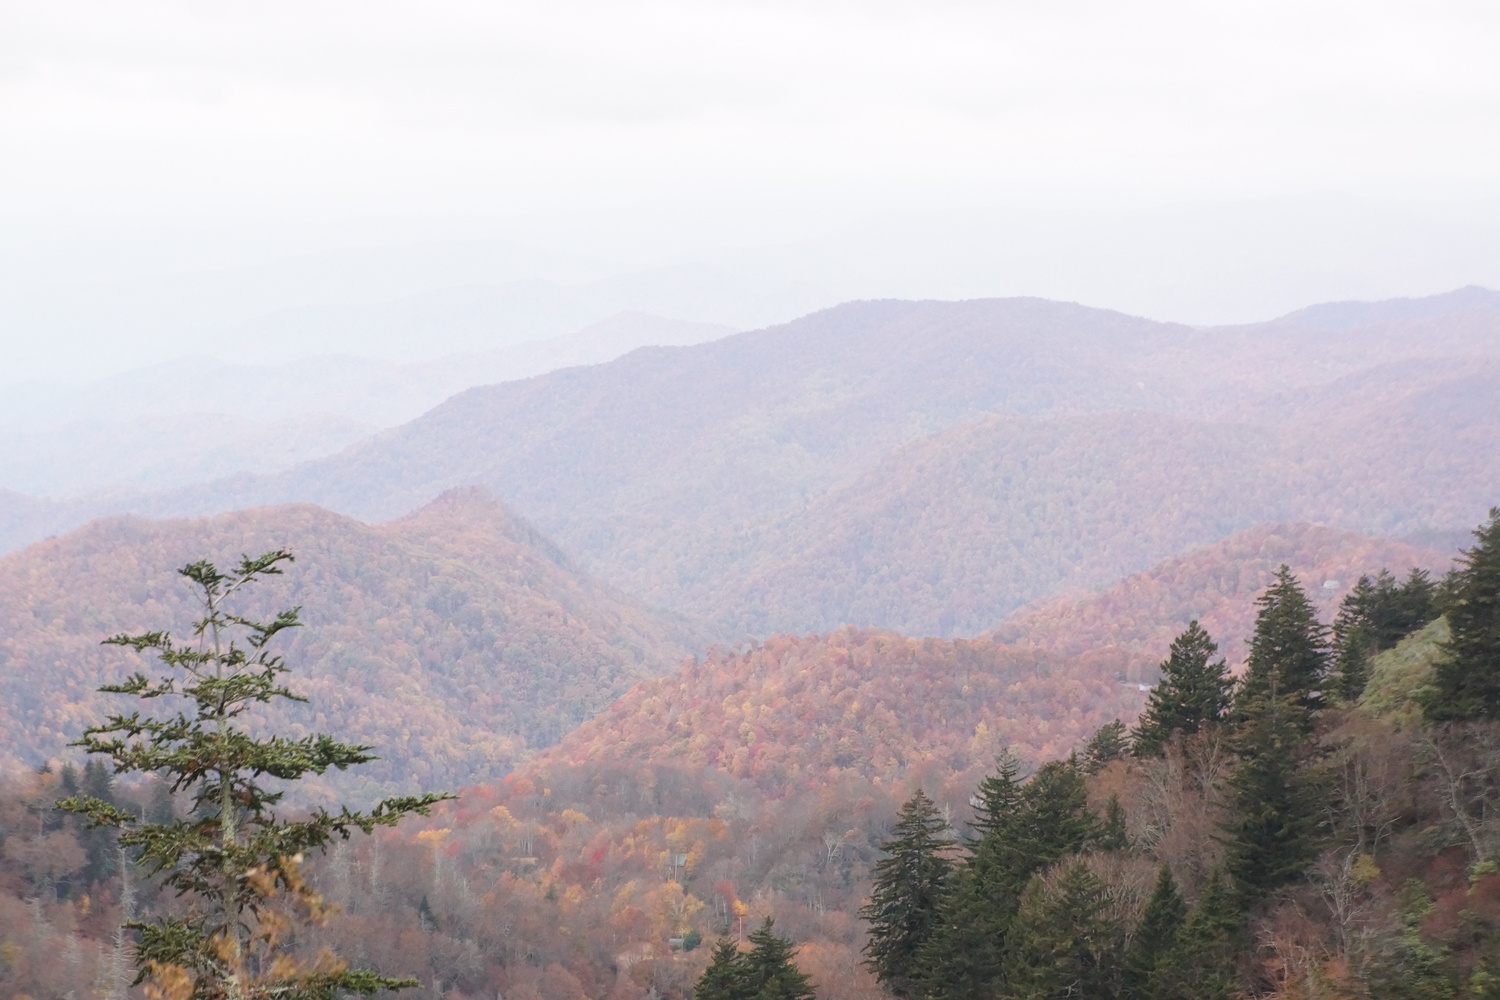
{"x":638,"y":130}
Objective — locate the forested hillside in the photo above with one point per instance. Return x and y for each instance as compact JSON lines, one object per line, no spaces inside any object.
{"x":930,"y":466}
{"x":771,"y":783}
{"x":453,"y":639}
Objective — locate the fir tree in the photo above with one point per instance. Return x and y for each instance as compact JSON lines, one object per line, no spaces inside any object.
{"x":910,"y":884}
{"x":998,"y":798}
{"x":1200,"y":963}
{"x":1193,"y":692}
{"x":1289,"y":652}
{"x":723,"y":979}
{"x":1273,"y":829}
{"x":235,"y":864}
{"x":1062,"y":943}
{"x":1374,"y":616}
{"x":768,"y":972}
{"x":1025,"y":828}
{"x":1155,"y":935}
{"x":960,"y":960}
{"x":1112,"y":835}
{"x":1466,"y":683}
{"x":1108,"y":744}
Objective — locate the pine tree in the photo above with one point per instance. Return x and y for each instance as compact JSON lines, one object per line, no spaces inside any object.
{"x":724,"y":978}
{"x":1063,"y":944}
{"x":910,"y":884}
{"x":1155,"y":935}
{"x":1352,"y":641}
{"x":1054,"y":819}
{"x":1193,"y":692}
{"x":1374,"y":616}
{"x":768,"y":972}
{"x":1466,"y":683}
{"x":1200,"y":963}
{"x":1025,"y":827}
{"x":1112,"y":835}
{"x":1273,"y":829}
{"x":233,"y":862}
{"x":1108,"y":744}
{"x":960,"y":960}
{"x":1289,"y":652}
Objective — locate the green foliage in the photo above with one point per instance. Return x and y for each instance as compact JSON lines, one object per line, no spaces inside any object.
{"x":1375,"y":616}
{"x":1399,"y":677}
{"x":1111,"y":834}
{"x":1467,"y":681}
{"x":1200,"y":964}
{"x":1273,"y":832}
{"x":1108,"y":744}
{"x":909,"y":885}
{"x":1288,"y":654}
{"x":1273,"y":829}
{"x":236,"y":864}
{"x":1023,"y":828}
{"x":1193,"y":692}
{"x":1154,"y":937}
{"x":766,"y":972}
{"x":1063,"y":942}
{"x":722,"y":980}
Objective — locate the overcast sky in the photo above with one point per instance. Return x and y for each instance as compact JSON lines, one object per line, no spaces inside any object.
{"x":638,"y":130}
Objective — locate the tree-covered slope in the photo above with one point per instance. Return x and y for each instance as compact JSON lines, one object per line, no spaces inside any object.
{"x":454,"y":639}
{"x":931,"y":466}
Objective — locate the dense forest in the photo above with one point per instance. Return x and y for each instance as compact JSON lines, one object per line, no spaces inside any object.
{"x":457,"y":639}
{"x":1323,"y":825}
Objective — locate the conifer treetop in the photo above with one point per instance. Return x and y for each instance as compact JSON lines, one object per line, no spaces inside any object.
{"x":233,"y":861}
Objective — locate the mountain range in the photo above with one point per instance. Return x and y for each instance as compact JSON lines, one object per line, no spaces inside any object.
{"x":930,"y":467}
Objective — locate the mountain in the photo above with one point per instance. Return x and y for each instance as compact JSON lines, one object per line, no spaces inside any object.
{"x":454,"y":639}
{"x":197,"y":419}
{"x":800,"y":711}
{"x":1129,"y":625}
{"x":932,"y":466}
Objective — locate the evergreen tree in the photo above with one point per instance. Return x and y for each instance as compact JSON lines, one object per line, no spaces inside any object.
{"x":724,"y":978}
{"x":1193,"y":692}
{"x":1374,"y":616}
{"x":910,"y":884}
{"x":99,"y":845}
{"x":233,"y":862}
{"x":1063,"y":944}
{"x":1054,"y":818}
{"x":1466,"y":683}
{"x":1155,"y":935}
{"x":1108,"y":744}
{"x":960,"y":960}
{"x":1289,"y":652}
{"x":998,"y":798}
{"x":1274,"y":825}
{"x":1112,"y":835}
{"x":1416,"y":605}
{"x":1200,"y":963}
{"x":1026,"y":827}
{"x":768,"y":972}
{"x":1352,"y":640}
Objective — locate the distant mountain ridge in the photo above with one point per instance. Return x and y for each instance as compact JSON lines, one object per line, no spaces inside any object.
{"x":197,"y":419}
{"x":455,"y":639}
{"x":795,"y":712}
{"x":932,"y":466}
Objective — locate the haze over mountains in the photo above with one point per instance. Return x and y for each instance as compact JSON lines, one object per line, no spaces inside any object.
{"x":198,"y":419}
{"x":930,"y":466}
